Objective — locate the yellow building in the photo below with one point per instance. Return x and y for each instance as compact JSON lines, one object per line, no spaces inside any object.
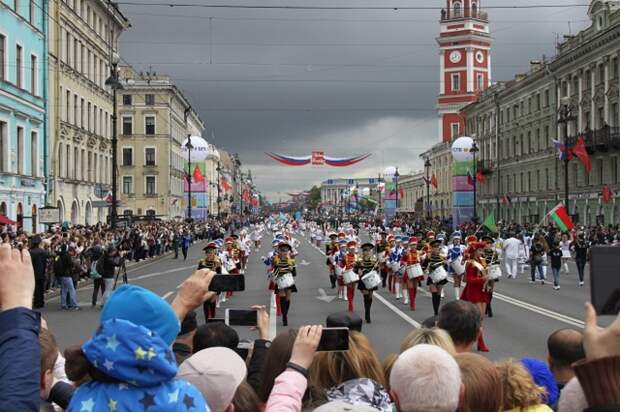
{"x":83,"y":35}
{"x":440,"y":159}
{"x":151,"y":129}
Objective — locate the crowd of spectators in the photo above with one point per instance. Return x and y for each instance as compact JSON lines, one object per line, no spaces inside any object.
{"x":149,"y":355}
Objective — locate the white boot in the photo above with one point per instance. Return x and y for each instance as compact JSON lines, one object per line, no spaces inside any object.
{"x":443,"y":295}
{"x":457,"y":292}
{"x":397,"y":290}
{"x":405,"y":296}
{"x":565,"y":267}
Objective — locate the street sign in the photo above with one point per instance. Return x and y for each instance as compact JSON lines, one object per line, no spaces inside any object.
{"x":49,"y":215}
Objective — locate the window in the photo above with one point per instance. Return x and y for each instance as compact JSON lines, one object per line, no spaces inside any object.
{"x":149,"y":125}
{"x":149,"y":156}
{"x":31,"y":15}
{"x":127,"y":100}
{"x":33,"y":74}
{"x":127,"y":156}
{"x":3,"y":58}
{"x":82,"y":113}
{"x":455,"y":130}
{"x":614,"y":169}
{"x":547,"y":98}
{"x":601,"y":73}
{"x":151,"y":212}
{"x":127,"y":125}
{"x":20,"y":150}
{"x":457,"y":9}
{"x":127,"y":184}
{"x":588,"y":76}
{"x":18,"y":65}
{"x":149,"y":99}
{"x":614,"y":68}
{"x":456,"y":82}
{"x":68,"y":106}
{"x":538,"y":101}
{"x":4,"y":147}
{"x":34,"y":154}
{"x":547,"y":179}
{"x":150,"y":185}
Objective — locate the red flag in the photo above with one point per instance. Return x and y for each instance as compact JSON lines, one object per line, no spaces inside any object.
{"x":224,"y":185}
{"x":198,"y":177}
{"x":434,"y":181}
{"x":506,"y":200}
{"x":608,"y":194}
{"x":480,"y":177}
{"x":470,"y":178}
{"x":580,"y":151}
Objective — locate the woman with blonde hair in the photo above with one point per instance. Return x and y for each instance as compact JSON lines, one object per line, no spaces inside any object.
{"x":520,"y":393}
{"x":482,"y":382}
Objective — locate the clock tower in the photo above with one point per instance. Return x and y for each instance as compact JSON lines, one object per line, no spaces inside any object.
{"x":464,"y":62}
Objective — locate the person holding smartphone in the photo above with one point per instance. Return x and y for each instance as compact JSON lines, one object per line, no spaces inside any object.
{"x":212,"y":262}
{"x":282,"y":265}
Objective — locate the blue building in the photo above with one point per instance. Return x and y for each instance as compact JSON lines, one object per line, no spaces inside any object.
{"x":23,"y":96}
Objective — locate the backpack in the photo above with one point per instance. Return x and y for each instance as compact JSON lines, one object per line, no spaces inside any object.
{"x":94,"y":273}
{"x":58,"y":267}
{"x":99,"y":266}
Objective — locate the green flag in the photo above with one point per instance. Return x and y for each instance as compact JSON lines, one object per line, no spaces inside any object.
{"x":489,"y":222}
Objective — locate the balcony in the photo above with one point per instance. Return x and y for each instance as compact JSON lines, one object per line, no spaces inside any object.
{"x":486,"y":166}
{"x":600,"y":140}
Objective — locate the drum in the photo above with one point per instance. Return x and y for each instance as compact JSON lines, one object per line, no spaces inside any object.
{"x":458,"y":266}
{"x":350,"y":276}
{"x":439,"y":274}
{"x":285,"y":281}
{"x":395,"y":266}
{"x":338,"y":270}
{"x":415,"y":271}
{"x":495,"y":272}
{"x":229,"y":265}
{"x":382,"y":258}
{"x":371,"y":279}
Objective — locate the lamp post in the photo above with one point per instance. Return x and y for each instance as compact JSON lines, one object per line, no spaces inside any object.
{"x":114,"y":83}
{"x":219,"y":193}
{"x":474,"y":149}
{"x":427,"y":165}
{"x":189,"y":148}
{"x":565,"y":115}
{"x":396,"y":176}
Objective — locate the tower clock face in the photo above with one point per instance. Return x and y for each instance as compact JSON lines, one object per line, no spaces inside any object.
{"x":479,"y":56}
{"x":455,"y":56}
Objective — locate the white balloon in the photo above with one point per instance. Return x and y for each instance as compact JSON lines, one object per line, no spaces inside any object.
{"x":389,"y":171}
{"x":200,"y":149}
{"x":461,"y":149}
{"x":366,"y":191}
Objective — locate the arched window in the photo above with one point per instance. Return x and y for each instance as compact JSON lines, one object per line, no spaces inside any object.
{"x":474,"y":9}
{"x":456,"y":9}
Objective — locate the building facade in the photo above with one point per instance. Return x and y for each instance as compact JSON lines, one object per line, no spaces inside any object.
{"x":335,"y":192}
{"x":441,"y":166}
{"x":152,"y":127}
{"x":413,"y":194}
{"x":23,"y":111}
{"x":517,"y":147}
{"x":83,"y":38}
{"x":464,"y":62}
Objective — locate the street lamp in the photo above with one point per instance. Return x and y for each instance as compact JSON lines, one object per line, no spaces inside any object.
{"x":396,"y":176}
{"x":427,"y":165}
{"x":565,"y":115}
{"x":189,"y":147}
{"x":114,"y":83}
{"x":474,"y":149}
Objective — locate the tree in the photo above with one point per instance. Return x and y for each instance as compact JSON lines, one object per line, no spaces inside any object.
{"x":313,"y":200}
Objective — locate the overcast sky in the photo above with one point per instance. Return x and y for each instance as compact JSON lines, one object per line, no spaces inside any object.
{"x":345,"y":82}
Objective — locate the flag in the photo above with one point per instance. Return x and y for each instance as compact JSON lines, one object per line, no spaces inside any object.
{"x":480,"y":177}
{"x":562,"y":151}
{"x":561,"y":218}
{"x":470,"y":178}
{"x":506,"y":200}
{"x":434,"y":181}
{"x":607,"y":194}
{"x":401,"y":193}
{"x":580,"y":151}
{"x":224,"y":185}
{"x":489,"y":222}
{"x":108,"y":197}
{"x":198,"y":177}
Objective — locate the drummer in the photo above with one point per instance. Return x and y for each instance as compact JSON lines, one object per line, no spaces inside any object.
{"x":477,"y":279}
{"x":365,"y":264}
{"x":436,"y":261}
{"x":455,"y":253}
{"x":331,"y":249}
{"x":410,"y":259}
{"x":393,"y":278}
{"x":338,"y":259}
{"x":348,"y":263}
{"x":491,"y":258}
{"x":283,"y":264}
{"x":211,"y":262}
{"x":381,"y":247}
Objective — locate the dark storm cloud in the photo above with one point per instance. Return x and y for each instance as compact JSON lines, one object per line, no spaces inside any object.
{"x":346,"y":82}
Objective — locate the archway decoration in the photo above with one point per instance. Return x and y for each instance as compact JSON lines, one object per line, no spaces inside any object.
{"x":317,"y":159}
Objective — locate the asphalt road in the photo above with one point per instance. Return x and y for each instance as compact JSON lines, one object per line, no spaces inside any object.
{"x":525,"y":314}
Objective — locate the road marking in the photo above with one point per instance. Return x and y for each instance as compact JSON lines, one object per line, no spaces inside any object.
{"x":542,"y":311}
{"x":273,"y":324}
{"x":167,"y":295}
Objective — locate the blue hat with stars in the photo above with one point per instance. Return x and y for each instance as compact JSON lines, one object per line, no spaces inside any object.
{"x":143,"y":308}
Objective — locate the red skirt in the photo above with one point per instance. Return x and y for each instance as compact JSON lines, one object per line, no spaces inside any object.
{"x":475,"y":294}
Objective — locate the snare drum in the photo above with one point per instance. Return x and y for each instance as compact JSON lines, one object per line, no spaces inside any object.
{"x":415,"y":271}
{"x":439,"y":274}
{"x":395,"y":266}
{"x":458,"y":266}
{"x":285,"y":281}
{"x":495,"y":272}
{"x":371,"y":279}
{"x":350,"y":276}
{"x":338,"y":270}
{"x":382,"y":258}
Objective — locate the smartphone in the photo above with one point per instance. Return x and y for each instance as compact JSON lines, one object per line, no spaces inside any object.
{"x":243,"y":349}
{"x":216,"y":320}
{"x":227,"y":283}
{"x":604,"y":279}
{"x":241,"y":317}
{"x":334,"y":340}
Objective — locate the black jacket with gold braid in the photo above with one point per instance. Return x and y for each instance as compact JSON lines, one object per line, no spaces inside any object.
{"x":213,"y":264}
{"x":365,"y":265}
{"x":282,"y":266}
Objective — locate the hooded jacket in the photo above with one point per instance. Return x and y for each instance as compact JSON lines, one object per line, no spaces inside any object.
{"x":142,"y":370}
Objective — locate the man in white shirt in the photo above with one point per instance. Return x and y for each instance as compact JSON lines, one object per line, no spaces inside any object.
{"x":511,"y":255}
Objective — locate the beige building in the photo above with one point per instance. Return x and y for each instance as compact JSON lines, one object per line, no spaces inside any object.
{"x":413,"y":194}
{"x":83,"y":35}
{"x":516,"y":123}
{"x":151,"y":130}
{"x":441,"y":162}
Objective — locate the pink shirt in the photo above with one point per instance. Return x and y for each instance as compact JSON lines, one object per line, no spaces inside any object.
{"x":287,"y":393}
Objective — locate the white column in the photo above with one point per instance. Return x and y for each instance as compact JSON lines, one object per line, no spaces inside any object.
{"x":606,"y":62}
{"x":568,"y":94}
{"x":489,"y":68}
{"x":470,"y":69}
{"x":442,"y":72}
{"x":592,"y":89}
{"x":579,"y":106}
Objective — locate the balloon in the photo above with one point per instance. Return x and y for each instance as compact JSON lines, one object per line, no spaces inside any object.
{"x":461,"y":149}
{"x":366,"y":191}
{"x":389,"y":171}
{"x":200,"y":149}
